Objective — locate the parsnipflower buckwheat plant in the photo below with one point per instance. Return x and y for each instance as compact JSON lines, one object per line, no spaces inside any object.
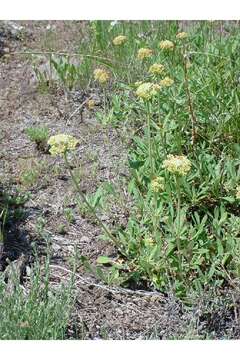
{"x":102,"y":76}
{"x":119,"y":40}
{"x":91,"y":104}
{"x":157,"y":184}
{"x":62,"y":144}
{"x":138,"y":83}
{"x":166,"y":82}
{"x":178,"y":165}
{"x":166,"y":45}
{"x":146,"y":91}
{"x":156,"y":69}
{"x":182,"y":35}
{"x":149,"y":241}
{"x":144,"y":53}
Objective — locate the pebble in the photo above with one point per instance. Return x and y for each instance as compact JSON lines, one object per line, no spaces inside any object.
{"x":84,"y":239}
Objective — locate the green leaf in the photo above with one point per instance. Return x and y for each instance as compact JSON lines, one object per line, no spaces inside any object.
{"x":229,"y":199}
{"x":136,"y":164}
{"x":171,"y":249}
{"x":104,"y":260}
{"x":226,"y":259}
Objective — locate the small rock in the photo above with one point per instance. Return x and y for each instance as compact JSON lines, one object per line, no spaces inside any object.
{"x":56,"y":247}
{"x":1,"y":48}
{"x":28,"y":270}
{"x":84,"y":239}
{"x":50,"y":27}
{"x":12,"y":30}
{"x":104,"y":217}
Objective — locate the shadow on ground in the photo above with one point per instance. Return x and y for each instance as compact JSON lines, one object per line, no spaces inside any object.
{"x":15,"y":239}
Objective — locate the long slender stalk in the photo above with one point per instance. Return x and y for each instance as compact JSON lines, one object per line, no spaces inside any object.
{"x":178,"y":242}
{"x":190,"y":104}
{"x":155,"y":216}
{"x":60,"y":53}
{"x":83,"y":197}
{"x":161,"y":125}
{"x":150,"y":140}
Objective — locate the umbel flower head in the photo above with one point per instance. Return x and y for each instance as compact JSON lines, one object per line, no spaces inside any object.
{"x":149,"y":241}
{"x":91,"y":104}
{"x":138,"y":83}
{"x":156,"y":69}
{"x":144,"y":53}
{"x":157,"y":184}
{"x":238,"y":193}
{"x":119,"y":40}
{"x":182,"y":35}
{"x":167,"y":81}
{"x":179,"y":165}
{"x":147,"y":91}
{"x":166,"y":45}
{"x":102,"y":76}
{"x":62,"y":143}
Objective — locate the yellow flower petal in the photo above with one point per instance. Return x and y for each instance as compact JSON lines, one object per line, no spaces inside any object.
{"x":119,"y":40}
{"x":102,"y":76}
{"x":166,"y":45}
{"x":179,"y":165}
{"x":144,"y":53}
{"x":61,"y":143}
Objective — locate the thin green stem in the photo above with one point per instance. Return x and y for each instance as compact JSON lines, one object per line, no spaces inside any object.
{"x":178,"y":242}
{"x":155,"y":216}
{"x":89,"y":206}
{"x":161,"y":126}
{"x":150,"y":140}
{"x":189,"y":98}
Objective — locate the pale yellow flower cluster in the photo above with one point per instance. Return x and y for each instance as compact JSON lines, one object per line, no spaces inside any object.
{"x":166,"y":45}
{"x":157,"y":184}
{"x":156,"y":69}
{"x":149,"y":241}
{"x":144,"y":53}
{"x":102,"y":76}
{"x":138,"y":83}
{"x":179,"y":165}
{"x":91,"y":104}
{"x":167,"y":81}
{"x":238,"y":193}
{"x":61,"y":143}
{"x":119,"y":40}
{"x":182,"y":35}
{"x":147,"y":91}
